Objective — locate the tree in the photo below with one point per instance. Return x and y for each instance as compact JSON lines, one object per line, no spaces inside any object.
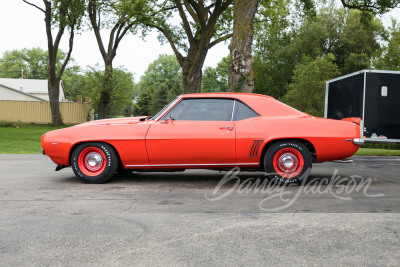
{"x":91,"y":84}
{"x":372,"y":6}
{"x":143,"y":102}
{"x":390,"y":60}
{"x":241,"y":68}
{"x":64,"y":15}
{"x":307,"y":90}
{"x":272,"y":35}
{"x":25,"y":63}
{"x":216,"y":79}
{"x":361,"y":42}
{"x":280,"y":45}
{"x":72,"y":79}
{"x":107,"y":14}
{"x":159,"y":85}
{"x":203,"y":24}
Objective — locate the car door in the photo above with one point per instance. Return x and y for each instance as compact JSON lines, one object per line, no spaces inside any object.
{"x":197,"y":131}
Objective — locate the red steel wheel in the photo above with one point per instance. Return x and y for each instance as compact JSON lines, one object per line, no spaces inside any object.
{"x":288,"y":161}
{"x":94,"y":162}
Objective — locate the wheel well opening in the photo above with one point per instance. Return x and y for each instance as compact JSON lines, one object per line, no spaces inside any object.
{"x":120,"y":165}
{"x":308,"y":144}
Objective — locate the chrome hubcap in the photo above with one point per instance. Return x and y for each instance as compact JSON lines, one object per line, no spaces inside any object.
{"x":288,"y":162}
{"x":93,"y":161}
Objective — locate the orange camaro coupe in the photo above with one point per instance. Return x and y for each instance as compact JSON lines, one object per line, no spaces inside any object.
{"x":205,"y":131}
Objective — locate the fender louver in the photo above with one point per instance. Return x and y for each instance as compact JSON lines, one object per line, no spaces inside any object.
{"x":255,"y":147}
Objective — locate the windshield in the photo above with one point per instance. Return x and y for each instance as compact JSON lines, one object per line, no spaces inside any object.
{"x":155,"y":117}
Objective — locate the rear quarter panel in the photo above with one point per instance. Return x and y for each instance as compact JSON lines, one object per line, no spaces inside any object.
{"x":327,"y":136}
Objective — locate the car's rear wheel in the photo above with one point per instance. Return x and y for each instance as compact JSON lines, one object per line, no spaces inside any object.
{"x":288,"y":161}
{"x":94,"y":162}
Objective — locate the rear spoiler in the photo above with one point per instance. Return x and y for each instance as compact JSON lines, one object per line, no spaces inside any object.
{"x":355,"y":120}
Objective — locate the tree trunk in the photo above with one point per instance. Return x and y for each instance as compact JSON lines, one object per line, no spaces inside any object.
{"x":192,"y":81}
{"x":53,"y":82}
{"x":192,"y":73}
{"x":192,"y":65}
{"x":54,"y":92}
{"x":241,"y":68}
{"x":105,"y":95}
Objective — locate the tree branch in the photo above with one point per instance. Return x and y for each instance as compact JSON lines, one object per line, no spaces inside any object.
{"x":368,"y":7}
{"x":185,"y":21}
{"x":199,"y":11}
{"x":92,"y":10}
{"x":226,"y":4}
{"x":191,"y":12}
{"x":111,"y":40}
{"x":47,"y":19}
{"x":217,"y":11}
{"x":71,"y":44}
{"x":61,"y":28}
{"x":41,"y":9}
{"x":221,"y":39}
{"x":121,"y":35}
{"x":171,"y":42}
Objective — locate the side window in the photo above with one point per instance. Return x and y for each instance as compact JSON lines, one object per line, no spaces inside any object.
{"x":243,"y":112}
{"x":202,"y":109}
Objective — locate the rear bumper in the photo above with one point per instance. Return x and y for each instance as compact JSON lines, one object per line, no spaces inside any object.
{"x":358,"y":141}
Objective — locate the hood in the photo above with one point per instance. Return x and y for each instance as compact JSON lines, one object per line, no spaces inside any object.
{"x":128,"y":120}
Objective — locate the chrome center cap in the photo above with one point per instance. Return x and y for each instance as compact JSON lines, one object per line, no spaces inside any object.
{"x":287,"y":161}
{"x":94,"y":159}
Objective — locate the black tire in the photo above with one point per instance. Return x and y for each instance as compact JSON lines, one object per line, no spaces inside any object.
{"x":280,"y":156}
{"x":94,"y":162}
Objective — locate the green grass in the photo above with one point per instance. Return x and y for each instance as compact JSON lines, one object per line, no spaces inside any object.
{"x":378,"y":152}
{"x":23,"y":140}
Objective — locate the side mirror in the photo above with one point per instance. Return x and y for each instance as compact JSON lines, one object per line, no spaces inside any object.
{"x":168,"y":120}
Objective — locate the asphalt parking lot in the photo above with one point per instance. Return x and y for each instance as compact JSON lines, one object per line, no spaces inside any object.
{"x":344,"y":215}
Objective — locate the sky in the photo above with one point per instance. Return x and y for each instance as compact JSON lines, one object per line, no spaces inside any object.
{"x":22,"y":26}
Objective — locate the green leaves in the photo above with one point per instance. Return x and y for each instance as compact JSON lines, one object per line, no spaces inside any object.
{"x":33,"y":62}
{"x":390,"y":58}
{"x":307,"y":90}
{"x":216,"y":79}
{"x":90,"y":84}
{"x":160,"y":84}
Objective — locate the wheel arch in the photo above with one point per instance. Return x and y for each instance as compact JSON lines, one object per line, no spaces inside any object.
{"x":305,"y":142}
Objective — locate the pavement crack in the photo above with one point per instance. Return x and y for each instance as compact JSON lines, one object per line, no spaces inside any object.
{"x":393,"y":232}
{"x":130,"y":206}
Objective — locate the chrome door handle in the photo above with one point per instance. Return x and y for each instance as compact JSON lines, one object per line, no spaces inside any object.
{"x":229,"y":128}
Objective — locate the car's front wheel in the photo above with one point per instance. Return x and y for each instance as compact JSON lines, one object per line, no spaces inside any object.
{"x":288,"y":162}
{"x":94,"y":162}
